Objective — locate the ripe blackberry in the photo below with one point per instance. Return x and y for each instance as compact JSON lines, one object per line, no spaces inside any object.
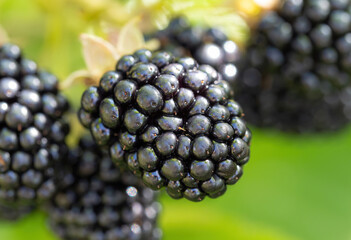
{"x":298,"y":67}
{"x":13,"y":213}
{"x":171,"y":122}
{"x":206,"y":45}
{"x":97,"y":201}
{"x":32,"y":130}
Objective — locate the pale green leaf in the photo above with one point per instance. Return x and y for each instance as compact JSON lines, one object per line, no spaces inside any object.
{"x":130,"y":38}
{"x":75,"y":77}
{"x":3,"y":36}
{"x":99,"y":55}
{"x":111,"y":32}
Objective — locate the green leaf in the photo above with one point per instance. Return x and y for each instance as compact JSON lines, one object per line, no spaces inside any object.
{"x":197,"y":221}
{"x":99,"y":55}
{"x":3,"y":36}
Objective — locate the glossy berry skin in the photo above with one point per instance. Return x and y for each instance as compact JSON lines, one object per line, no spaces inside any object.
{"x":97,"y":200}
{"x":208,"y":46}
{"x":172,"y":124}
{"x":32,"y":132}
{"x":296,"y":75}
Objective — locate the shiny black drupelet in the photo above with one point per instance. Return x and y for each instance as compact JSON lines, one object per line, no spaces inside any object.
{"x":97,"y":201}
{"x":172,"y":122}
{"x":32,"y":130}
{"x":297,"y":71}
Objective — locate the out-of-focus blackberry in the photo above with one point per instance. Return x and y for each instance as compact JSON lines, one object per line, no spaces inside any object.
{"x":172,"y":122}
{"x":32,"y":130}
{"x":206,"y":45}
{"x":13,"y":212}
{"x":96,"y":200}
{"x":298,"y":67}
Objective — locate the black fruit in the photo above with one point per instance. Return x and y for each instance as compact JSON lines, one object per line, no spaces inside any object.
{"x":171,"y":122}
{"x":208,"y":46}
{"x":297,"y":71}
{"x":96,"y":200}
{"x":13,"y":212}
{"x":32,"y":131}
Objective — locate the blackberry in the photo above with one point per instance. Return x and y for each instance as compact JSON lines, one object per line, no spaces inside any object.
{"x":32,"y":130}
{"x":208,"y":46}
{"x":171,"y":122}
{"x":297,"y":69}
{"x":13,"y":213}
{"x":96,"y":200}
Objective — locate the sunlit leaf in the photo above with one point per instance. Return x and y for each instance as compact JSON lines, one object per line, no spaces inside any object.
{"x":179,"y":6}
{"x":111,"y":32}
{"x":178,"y":224}
{"x":130,"y":38}
{"x":148,"y":3}
{"x":117,"y":14}
{"x":50,"y":6}
{"x":3,"y":36}
{"x":75,"y":77}
{"x":99,"y":55}
{"x":93,"y":4}
{"x":267,"y":4}
{"x":232,"y":24}
{"x":152,"y":44}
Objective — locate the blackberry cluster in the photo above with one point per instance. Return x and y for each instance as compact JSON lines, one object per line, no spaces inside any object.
{"x":171,"y":122}
{"x":13,"y":213}
{"x":206,"y":45}
{"x":297,"y":71}
{"x":97,"y":201}
{"x":32,"y":130}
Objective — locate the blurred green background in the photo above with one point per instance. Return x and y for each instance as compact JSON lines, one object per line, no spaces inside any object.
{"x":294,"y":187}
